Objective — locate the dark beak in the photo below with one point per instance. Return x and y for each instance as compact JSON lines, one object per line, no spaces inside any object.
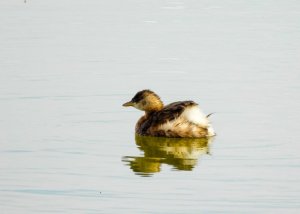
{"x":128,"y":104}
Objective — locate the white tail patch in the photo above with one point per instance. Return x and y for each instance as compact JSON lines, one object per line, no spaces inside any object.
{"x":188,"y":124}
{"x":195,"y":115}
{"x":211,"y":131}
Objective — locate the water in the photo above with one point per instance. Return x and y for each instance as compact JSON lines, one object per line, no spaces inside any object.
{"x":67,"y":144}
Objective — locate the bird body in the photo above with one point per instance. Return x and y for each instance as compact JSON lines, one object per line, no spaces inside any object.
{"x":178,"y":119}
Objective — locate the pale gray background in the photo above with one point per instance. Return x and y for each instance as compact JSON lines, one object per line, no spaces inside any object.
{"x":66,"y":66}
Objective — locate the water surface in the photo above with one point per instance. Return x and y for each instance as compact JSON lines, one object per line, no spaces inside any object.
{"x":67,"y":145}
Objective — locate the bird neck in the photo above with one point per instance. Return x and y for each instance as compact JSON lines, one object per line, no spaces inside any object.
{"x":154,"y":106}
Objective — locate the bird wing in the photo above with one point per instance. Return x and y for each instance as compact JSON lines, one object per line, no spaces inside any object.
{"x":168,"y":113}
{"x":174,"y":110}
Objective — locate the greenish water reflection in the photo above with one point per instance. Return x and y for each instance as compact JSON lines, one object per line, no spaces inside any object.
{"x":181,"y":153}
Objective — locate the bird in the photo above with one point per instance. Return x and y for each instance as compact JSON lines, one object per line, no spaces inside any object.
{"x":182,"y":119}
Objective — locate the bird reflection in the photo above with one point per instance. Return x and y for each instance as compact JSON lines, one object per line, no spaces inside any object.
{"x":181,"y":153}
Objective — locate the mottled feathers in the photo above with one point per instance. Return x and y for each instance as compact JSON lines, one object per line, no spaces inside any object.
{"x":178,"y":119}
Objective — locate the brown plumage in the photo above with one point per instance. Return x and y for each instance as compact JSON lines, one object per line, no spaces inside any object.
{"x":178,"y":119}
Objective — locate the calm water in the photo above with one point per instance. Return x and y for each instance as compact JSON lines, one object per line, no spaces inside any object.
{"x":68,"y":146}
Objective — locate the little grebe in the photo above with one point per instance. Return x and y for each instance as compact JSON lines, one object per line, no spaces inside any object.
{"x":178,"y":119}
